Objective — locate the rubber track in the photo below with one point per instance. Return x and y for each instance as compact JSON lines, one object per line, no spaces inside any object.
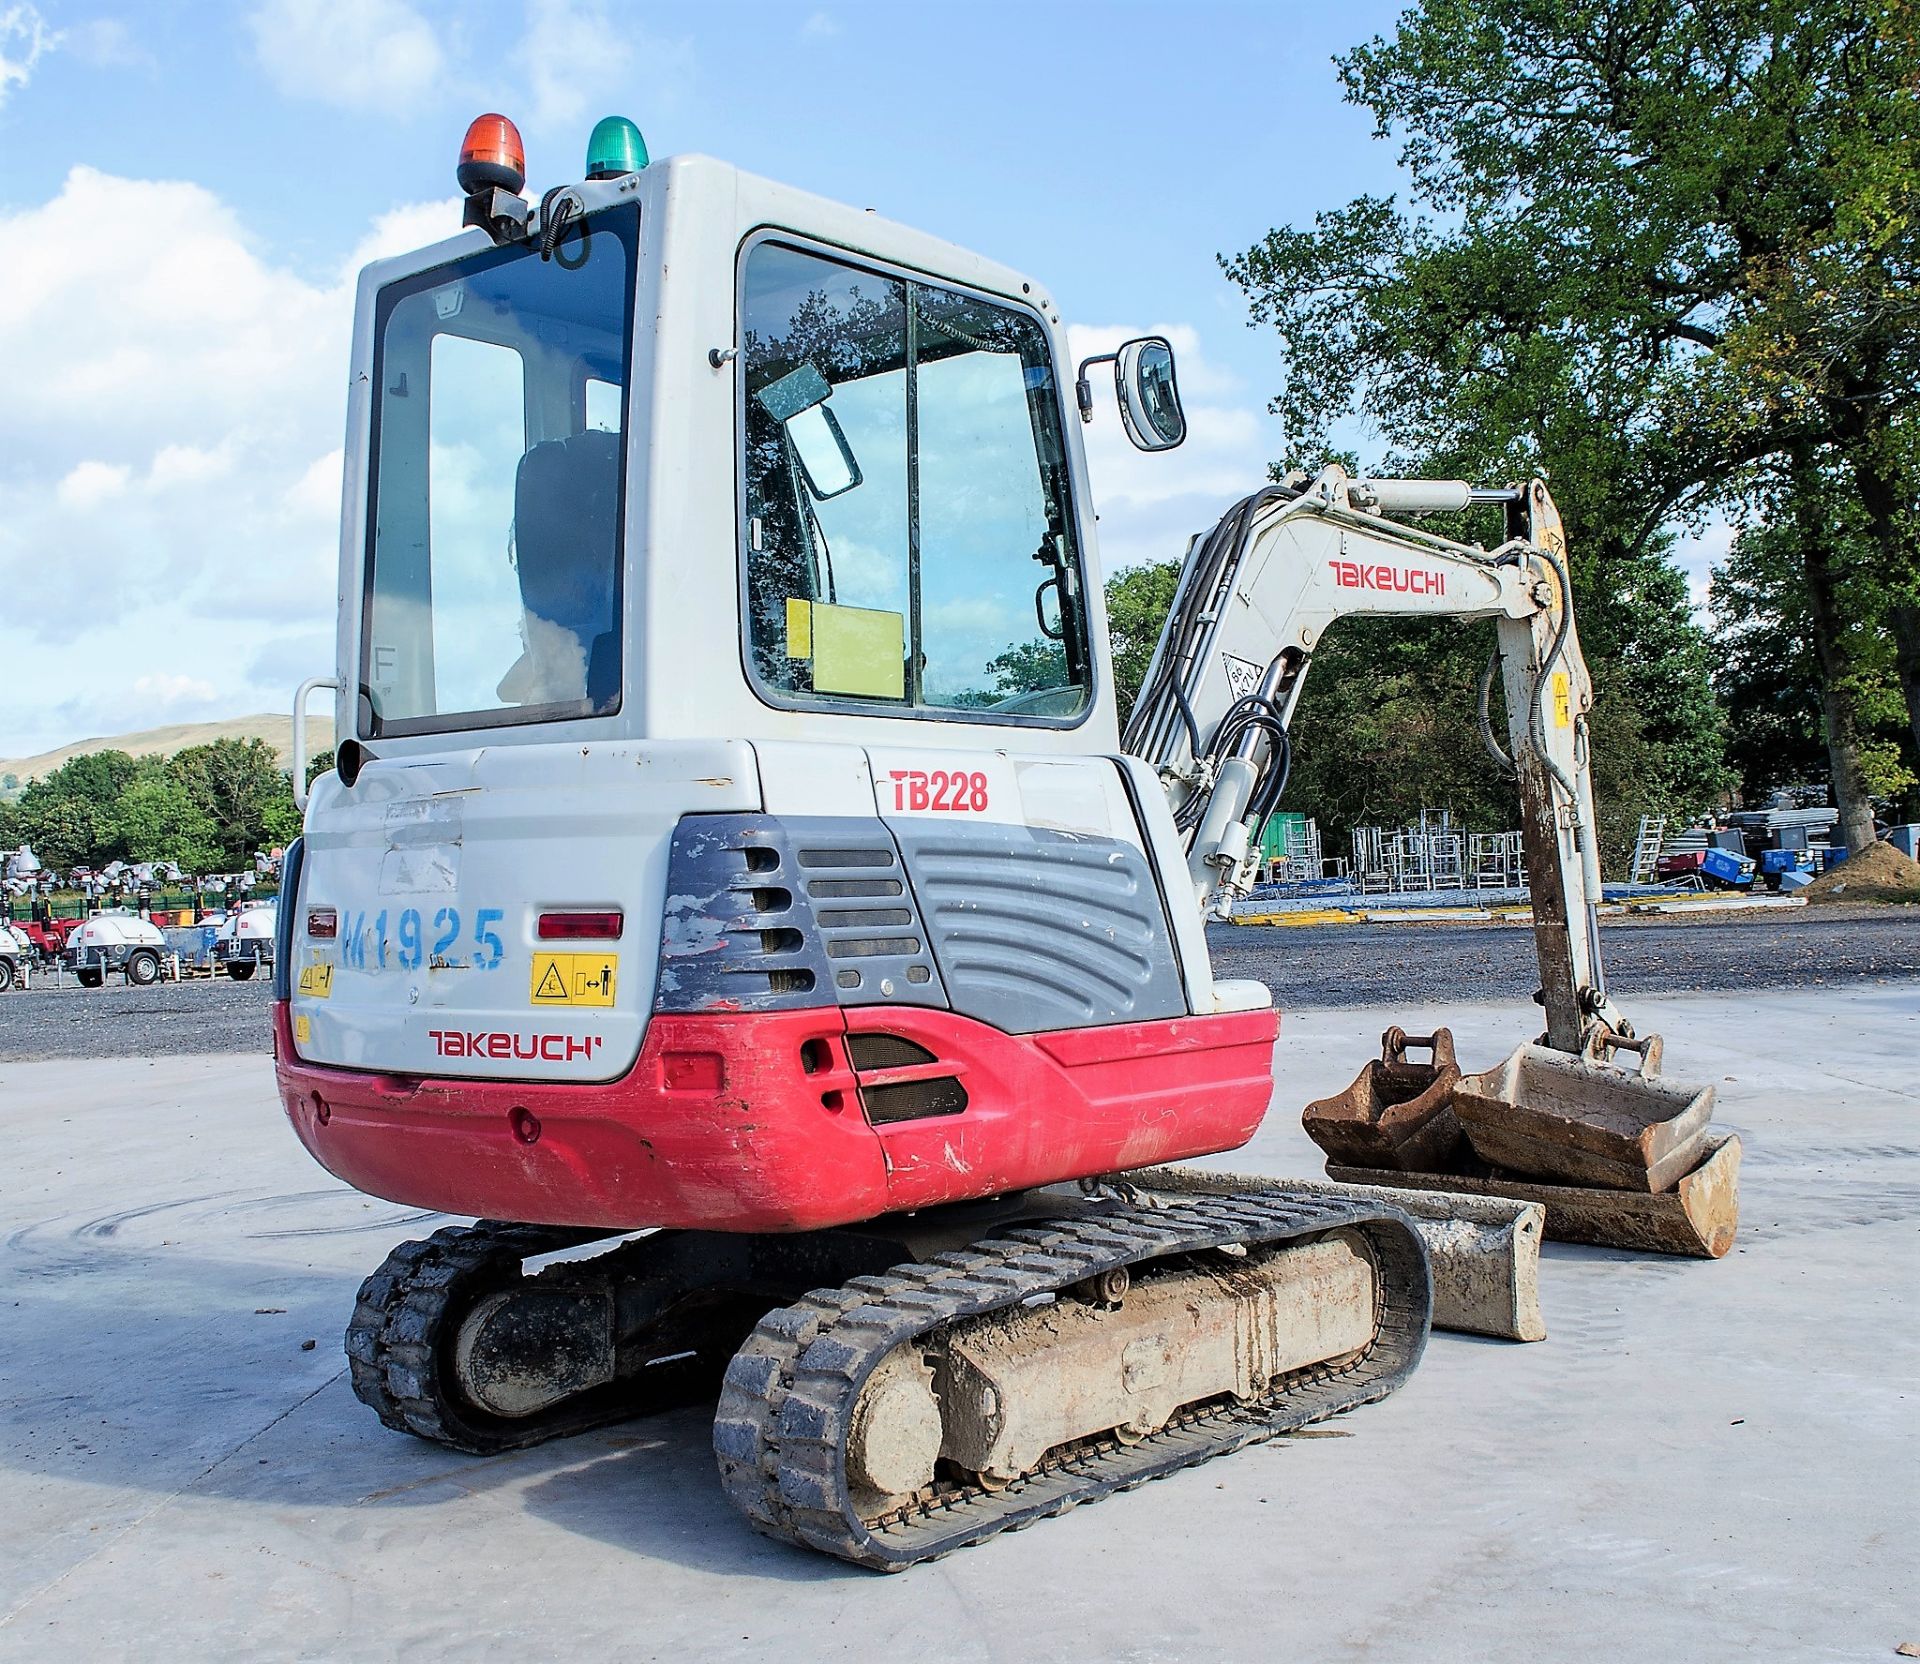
{"x":405,"y":1310}
{"x":786,"y":1405}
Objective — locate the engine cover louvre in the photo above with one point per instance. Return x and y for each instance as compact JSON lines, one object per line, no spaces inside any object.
{"x":769,"y":912}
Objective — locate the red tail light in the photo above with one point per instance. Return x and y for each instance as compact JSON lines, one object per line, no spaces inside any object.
{"x":581,"y":927}
{"x":322,"y":921}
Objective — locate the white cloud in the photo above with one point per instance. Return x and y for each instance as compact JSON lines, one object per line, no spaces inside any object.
{"x":1151,"y":502}
{"x":584,"y":59}
{"x":169,"y":456}
{"x":24,"y":40}
{"x":575,"y":53}
{"x":88,"y":483}
{"x":105,"y":43}
{"x":165,"y":693}
{"x":359,"y":54}
{"x":820,"y":26}
{"x":1697,"y":554}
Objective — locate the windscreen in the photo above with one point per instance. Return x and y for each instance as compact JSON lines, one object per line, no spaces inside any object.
{"x":494,"y":539}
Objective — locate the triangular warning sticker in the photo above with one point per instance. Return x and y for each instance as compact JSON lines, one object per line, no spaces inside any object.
{"x":551,"y":987}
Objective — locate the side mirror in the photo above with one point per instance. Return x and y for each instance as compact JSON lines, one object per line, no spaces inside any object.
{"x":1145,"y":390}
{"x":798,"y":401}
{"x":1149,"y":398}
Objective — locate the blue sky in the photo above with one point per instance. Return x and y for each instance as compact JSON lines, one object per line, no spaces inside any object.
{"x":186,"y":189}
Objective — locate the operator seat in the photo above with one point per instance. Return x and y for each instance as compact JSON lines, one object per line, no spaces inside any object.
{"x":566,"y":503}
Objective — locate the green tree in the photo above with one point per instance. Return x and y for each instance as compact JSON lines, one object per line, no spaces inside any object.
{"x":68,"y":816}
{"x":65,"y":832}
{"x":1138,"y":600}
{"x":157,"y":820}
{"x":1654,"y":243}
{"x":233,"y":783}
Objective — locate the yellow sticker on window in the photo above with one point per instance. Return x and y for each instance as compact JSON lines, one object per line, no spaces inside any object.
{"x":1562,"y":700}
{"x":858,"y":650}
{"x":799,"y":628}
{"x":316,"y":980}
{"x":302,"y":1030}
{"x":573,"y":978}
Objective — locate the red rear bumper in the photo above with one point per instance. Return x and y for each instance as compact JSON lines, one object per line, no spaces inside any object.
{"x":754,"y":1121}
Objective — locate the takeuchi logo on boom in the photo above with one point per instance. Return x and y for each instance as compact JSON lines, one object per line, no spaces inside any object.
{"x":1397,"y":580}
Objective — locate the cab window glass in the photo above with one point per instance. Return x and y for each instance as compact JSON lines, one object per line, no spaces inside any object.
{"x":494,"y":550}
{"x":908,"y":534}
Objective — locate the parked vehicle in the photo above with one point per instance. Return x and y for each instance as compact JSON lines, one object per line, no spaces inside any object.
{"x":47,"y":939}
{"x":244,"y":941}
{"x":117,"y":940}
{"x":15,"y":952}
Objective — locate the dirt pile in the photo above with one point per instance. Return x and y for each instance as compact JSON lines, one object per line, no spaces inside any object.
{"x":1881,"y":873}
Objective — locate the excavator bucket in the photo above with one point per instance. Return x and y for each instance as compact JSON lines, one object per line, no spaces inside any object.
{"x":1618,"y":1158}
{"x":1697,"y":1219}
{"x":1397,"y":1114}
{"x":1561,"y":1119}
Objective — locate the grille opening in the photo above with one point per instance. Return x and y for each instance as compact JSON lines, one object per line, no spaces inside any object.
{"x":790,"y":982}
{"x":846,"y":857}
{"x":760,"y":859}
{"x":782,"y":939}
{"x":815,"y":1055}
{"x":770,"y":898}
{"x":919,"y":973}
{"x":885,"y":1051}
{"x":872,"y":918}
{"x":914,"y":1100}
{"x":870,"y":947}
{"x":847,"y":978}
{"x":833,"y":889}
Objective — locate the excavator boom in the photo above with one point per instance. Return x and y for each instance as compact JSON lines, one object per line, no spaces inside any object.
{"x":1254,"y":599}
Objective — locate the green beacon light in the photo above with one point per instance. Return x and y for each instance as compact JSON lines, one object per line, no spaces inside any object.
{"x":615,"y":148}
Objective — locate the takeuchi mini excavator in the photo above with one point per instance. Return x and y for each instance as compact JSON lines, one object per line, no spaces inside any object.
{"x":734,"y":891}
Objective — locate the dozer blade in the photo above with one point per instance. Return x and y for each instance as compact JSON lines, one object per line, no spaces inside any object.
{"x":900,"y":1417}
{"x":1484,"y":1250}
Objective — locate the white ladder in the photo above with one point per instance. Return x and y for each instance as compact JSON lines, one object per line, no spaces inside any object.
{"x":1646,"y":848}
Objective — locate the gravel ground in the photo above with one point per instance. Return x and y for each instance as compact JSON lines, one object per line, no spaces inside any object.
{"x":167,"y":1020}
{"x":1304,"y":965}
{"x":1415,"y":964}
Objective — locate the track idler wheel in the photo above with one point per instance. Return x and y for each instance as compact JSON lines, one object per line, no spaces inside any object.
{"x":451,"y":1341}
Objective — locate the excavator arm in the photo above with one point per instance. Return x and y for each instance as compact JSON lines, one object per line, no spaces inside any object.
{"x":1254,"y":598}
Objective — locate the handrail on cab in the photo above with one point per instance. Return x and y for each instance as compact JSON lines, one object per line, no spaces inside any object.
{"x":300,"y":697}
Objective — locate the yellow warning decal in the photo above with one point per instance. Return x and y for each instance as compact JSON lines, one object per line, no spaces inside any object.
{"x":799,"y":628}
{"x":1562,"y":700}
{"x":573,"y":978}
{"x":316,"y":980}
{"x":302,"y":1030}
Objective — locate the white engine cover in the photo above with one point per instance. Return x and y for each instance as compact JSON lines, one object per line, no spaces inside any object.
{"x":437,"y":872}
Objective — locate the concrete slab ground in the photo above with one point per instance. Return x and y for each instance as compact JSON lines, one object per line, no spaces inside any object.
{"x":1702,"y":1461}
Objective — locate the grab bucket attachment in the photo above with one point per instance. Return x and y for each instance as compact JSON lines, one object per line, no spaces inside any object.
{"x":1585,"y":1121}
{"x":1396,"y":1114}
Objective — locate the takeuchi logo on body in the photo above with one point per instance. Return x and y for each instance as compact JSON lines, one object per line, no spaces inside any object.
{"x":546,"y":1048}
{"x":1395,"y":580}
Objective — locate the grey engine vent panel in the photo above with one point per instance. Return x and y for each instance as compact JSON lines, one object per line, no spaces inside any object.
{"x":1035,"y":929}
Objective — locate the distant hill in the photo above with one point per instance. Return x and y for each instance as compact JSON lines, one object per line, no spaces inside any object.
{"x":275,"y":728}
